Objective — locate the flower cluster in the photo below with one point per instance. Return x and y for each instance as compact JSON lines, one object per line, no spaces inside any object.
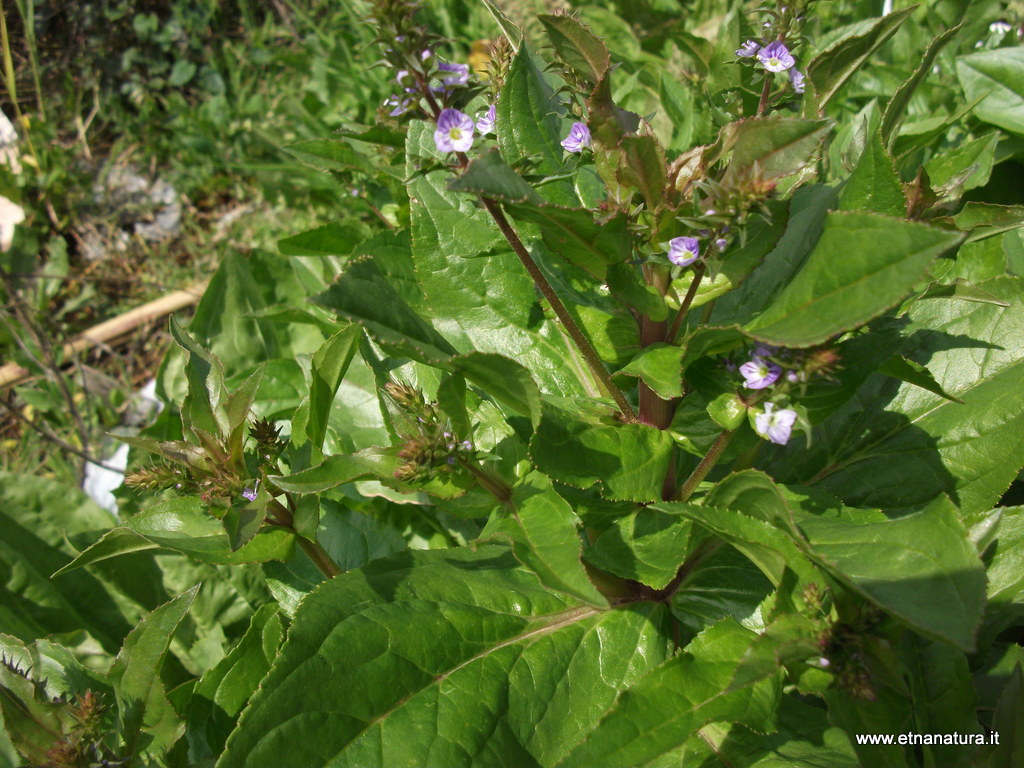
{"x":774,"y":57}
{"x":429,"y":446}
{"x":775,"y":371}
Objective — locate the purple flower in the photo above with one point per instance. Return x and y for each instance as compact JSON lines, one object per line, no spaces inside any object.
{"x":748,"y":49}
{"x":776,"y":57}
{"x":796,"y":79}
{"x":759,"y":373}
{"x":774,"y":425}
{"x":425,"y":54}
{"x":764,"y":350}
{"x":251,"y":493}
{"x":461,"y":76}
{"x":683,"y":251}
{"x":485,"y":124}
{"x":721,"y":244}
{"x":578,"y":138}
{"x":454,"y":131}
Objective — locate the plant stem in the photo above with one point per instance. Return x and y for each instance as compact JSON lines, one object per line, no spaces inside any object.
{"x":684,"y":308}
{"x":575,"y":333}
{"x":282,"y":516}
{"x":494,"y":485}
{"x":766,"y":91}
{"x":706,"y":464}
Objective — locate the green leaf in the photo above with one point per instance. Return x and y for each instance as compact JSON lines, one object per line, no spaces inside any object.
{"x":146,"y":720}
{"x":787,"y":640}
{"x":203,"y":407}
{"x":768,"y":547}
{"x":994,"y":82}
{"x":508,"y":28}
{"x":543,"y":530}
{"x":335,"y":239}
{"x":724,"y":583}
{"x":660,"y":367}
{"x":1005,"y":575}
{"x":577,"y":46}
{"x":488,"y":304}
{"x":489,"y":176}
{"x":770,"y":147}
{"x":862,"y":265}
{"x":643,"y":167}
{"x":328,"y":368}
{"x":328,"y":154}
{"x":922,"y":568}
{"x":363,"y":295}
{"x":1008,"y":722}
{"x":222,"y":692}
{"x":983,"y":220}
{"x":847,"y":52}
{"x":528,"y":124}
{"x":490,"y":671}
{"x":183,"y":526}
{"x":647,"y":545}
{"x":967,"y":167}
{"x":903,"y":369}
{"x":914,"y":444}
{"x":352,"y":539}
{"x":808,"y":212}
{"x":337,"y":470}
{"x":895,"y":109}
{"x":666,"y":707}
{"x":630,"y":460}
{"x":503,"y":379}
{"x":874,"y":184}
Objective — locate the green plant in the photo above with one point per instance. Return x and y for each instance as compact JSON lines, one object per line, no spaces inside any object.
{"x":615,"y":440}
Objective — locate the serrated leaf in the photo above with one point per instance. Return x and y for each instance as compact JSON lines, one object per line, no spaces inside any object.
{"x":994,"y":82}
{"x":489,"y":671}
{"x":903,"y":369}
{"x":543,"y":531}
{"x":647,"y":545}
{"x":488,"y":304}
{"x":896,"y":107}
{"x":529,"y":127}
{"x":914,"y":444}
{"x":643,"y":167}
{"x":775,"y":146}
{"x":660,"y":367}
{"x":768,"y":547}
{"x":629,"y":460}
{"x":829,"y":70}
{"x":862,"y":265}
{"x":921,"y":568}
{"x":665,"y":708}
{"x":511,"y":31}
{"x":203,"y":407}
{"x":968,"y":166}
{"x":183,"y":526}
{"x":142,"y":705}
{"x":334,"y":239}
{"x":874,"y":184}
{"x":219,"y":696}
{"x":363,"y":295}
{"x":328,"y":368}
{"x":580,"y":48}
{"x":505,"y":380}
